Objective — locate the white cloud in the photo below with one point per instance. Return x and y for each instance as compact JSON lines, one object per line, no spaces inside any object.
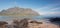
{"x":55,"y":13}
{"x":55,"y":8}
{"x":50,"y":7}
{"x":47,"y":10}
{"x":49,"y":13}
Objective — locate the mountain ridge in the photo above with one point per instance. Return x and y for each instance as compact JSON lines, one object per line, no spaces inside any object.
{"x":19,"y":12}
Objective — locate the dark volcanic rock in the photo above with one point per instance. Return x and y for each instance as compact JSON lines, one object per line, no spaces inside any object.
{"x":55,"y":20}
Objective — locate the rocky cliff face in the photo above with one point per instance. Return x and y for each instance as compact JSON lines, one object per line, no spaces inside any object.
{"x":19,"y":12}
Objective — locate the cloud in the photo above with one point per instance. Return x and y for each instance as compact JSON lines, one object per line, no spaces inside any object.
{"x":49,"y":9}
{"x":49,"y":13}
{"x":54,"y":12}
{"x":56,"y":8}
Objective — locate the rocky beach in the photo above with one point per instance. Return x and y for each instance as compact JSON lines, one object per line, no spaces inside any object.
{"x":28,"y":23}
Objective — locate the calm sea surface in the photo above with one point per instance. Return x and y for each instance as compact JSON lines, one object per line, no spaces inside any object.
{"x":5,"y":18}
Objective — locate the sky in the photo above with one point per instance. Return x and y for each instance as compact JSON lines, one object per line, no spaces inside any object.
{"x":43,"y":7}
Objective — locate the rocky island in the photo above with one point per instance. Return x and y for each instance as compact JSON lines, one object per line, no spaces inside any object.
{"x":16,"y":11}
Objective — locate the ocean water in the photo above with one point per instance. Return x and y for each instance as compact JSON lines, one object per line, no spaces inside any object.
{"x":6,"y":18}
{"x":9,"y":19}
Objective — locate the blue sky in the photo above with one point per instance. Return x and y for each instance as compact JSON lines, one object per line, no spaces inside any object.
{"x":43,"y":7}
